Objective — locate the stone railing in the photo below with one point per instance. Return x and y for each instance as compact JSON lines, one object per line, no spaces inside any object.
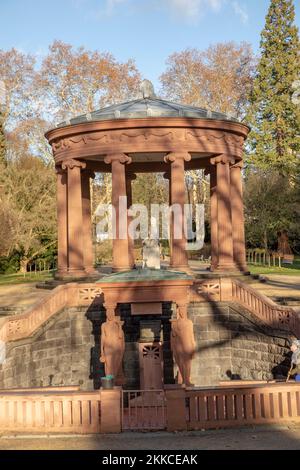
{"x":51,"y":411}
{"x":276,"y":316}
{"x":16,"y":327}
{"x":233,"y":290}
{"x":248,"y":405}
{"x":68,"y":295}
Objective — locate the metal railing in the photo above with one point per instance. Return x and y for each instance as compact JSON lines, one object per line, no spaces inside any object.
{"x":143,"y":409}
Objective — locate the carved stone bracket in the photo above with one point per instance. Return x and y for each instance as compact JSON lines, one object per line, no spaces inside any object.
{"x":181,"y":310}
{"x":173,"y":156}
{"x":120,"y":157}
{"x":110,"y":309}
{"x":222,"y":159}
{"x":72,"y":163}
{"x":238,"y":164}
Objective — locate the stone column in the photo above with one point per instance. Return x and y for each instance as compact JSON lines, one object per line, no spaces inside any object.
{"x":213,"y":217}
{"x":62,"y":223}
{"x":75,"y":225}
{"x":225,"y":240}
{"x":237,"y":212}
{"x":167,"y":176}
{"x":117,"y":161}
{"x":179,"y":259}
{"x":87,"y":222}
{"x":129,"y":178}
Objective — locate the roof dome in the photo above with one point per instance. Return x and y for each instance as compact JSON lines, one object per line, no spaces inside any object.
{"x":148,"y":105}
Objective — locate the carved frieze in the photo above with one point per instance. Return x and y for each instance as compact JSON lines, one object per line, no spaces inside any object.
{"x":147,"y":140}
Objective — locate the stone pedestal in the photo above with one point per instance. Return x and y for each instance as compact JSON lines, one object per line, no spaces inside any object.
{"x":110,"y":403}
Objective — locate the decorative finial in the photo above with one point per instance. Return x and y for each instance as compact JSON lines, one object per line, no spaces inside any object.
{"x":147,"y":89}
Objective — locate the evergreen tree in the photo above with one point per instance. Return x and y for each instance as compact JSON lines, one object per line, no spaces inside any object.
{"x":273,"y":114}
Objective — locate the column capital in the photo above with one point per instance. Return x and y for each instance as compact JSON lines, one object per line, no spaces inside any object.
{"x":181,"y":311}
{"x":72,"y":163}
{"x":238,"y":164}
{"x":224,"y":158}
{"x":119,"y":157}
{"x":173,"y":156}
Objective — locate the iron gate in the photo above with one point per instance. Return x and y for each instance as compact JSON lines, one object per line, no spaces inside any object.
{"x":143,"y":410}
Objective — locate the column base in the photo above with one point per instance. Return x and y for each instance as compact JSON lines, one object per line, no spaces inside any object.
{"x":91,"y":271}
{"x":116,"y":269}
{"x":74,"y":275}
{"x":244,"y":270}
{"x":225,"y":268}
{"x":232,"y":268}
{"x":181,"y":268}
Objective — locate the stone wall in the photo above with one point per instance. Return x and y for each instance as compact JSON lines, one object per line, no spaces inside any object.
{"x":230,"y":342}
{"x":65,"y":351}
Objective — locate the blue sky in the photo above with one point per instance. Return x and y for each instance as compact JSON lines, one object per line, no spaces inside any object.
{"x":146,"y":30}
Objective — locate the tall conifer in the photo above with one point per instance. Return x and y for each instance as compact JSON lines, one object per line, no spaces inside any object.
{"x":274,"y":114}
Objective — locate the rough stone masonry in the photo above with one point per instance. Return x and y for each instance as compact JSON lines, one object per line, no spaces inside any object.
{"x":65,"y":351}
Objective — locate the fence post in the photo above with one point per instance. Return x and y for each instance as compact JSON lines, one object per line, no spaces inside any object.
{"x":225,"y":289}
{"x":110,"y":416}
{"x":176,"y":412}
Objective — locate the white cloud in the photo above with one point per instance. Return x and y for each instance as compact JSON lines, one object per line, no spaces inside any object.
{"x":215,"y":4}
{"x":193,"y":10}
{"x":188,"y":10}
{"x":240,"y":11}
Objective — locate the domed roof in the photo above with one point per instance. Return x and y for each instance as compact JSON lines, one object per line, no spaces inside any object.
{"x":148,"y":105}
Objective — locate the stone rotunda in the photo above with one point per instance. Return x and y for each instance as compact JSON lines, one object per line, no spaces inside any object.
{"x":140,"y":136}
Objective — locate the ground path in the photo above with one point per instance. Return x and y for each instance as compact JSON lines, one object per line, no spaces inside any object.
{"x":20,"y":296}
{"x":259,"y":438}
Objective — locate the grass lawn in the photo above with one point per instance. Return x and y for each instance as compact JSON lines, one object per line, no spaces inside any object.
{"x":21,"y":279}
{"x":287,"y":269}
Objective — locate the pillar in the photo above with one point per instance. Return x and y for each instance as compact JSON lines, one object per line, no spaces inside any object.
{"x":87,"y":222}
{"x":75,"y":222}
{"x":179,"y":259}
{"x":213,"y":218}
{"x":224,"y":221}
{"x":167,"y":176}
{"x":120,"y":242}
{"x":129,"y":178}
{"x":176,"y":408}
{"x":110,"y":413}
{"x":237,"y":213}
{"x":62,"y":236}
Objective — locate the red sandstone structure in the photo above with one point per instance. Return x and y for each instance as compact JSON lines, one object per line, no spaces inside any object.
{"x":148,"y":135}
{"x":147,"y":311}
